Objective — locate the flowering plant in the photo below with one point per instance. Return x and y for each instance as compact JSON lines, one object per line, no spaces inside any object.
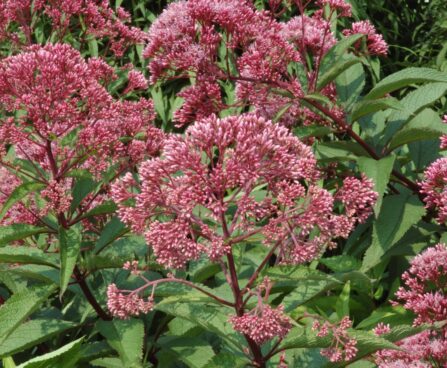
{"x":227,"y":183}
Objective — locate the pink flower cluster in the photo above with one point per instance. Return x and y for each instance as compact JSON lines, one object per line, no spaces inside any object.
{"x":423,"y":294}
{"x":434,"y":188}
{"x":245,"y":164}
{"x":425,"y":285}
{"x":341,"y":6}
{"x":263,"y":323}
{"x":68,"y":120}
{"x":124,"y":304}
{"x":358,"y":197}
{"x":343,"y":346}
{"x":99,"y":19}
{"x":375,"y":43}
{"x":227,"y":41}
{"x":418,"y":351}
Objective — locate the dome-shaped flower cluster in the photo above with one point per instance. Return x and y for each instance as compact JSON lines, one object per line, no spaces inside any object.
{"x":263,"y":323}
{"x":228,"y":179}
{"x":58,"y":115}
{"x":98,"y":18}
{"x":214,"y":43}
{"x":434,"y":189}
{"x":424,"y":294}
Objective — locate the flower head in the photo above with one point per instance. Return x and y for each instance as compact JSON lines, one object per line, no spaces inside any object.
{"x":343,"y":347}
{"x":226,"y":178}
{"x":434,"y":188}
{"x":263,"y":323}
{"x":424,"y":294}
{"x":375,"y":43}
{"x":68,"y":120}
{"x":126,"y":304}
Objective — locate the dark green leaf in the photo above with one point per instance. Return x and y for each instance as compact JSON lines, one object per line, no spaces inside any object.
{"x":70,"y":245}
{"x":32,"y":333}
{"x":379,"y":171}
{"x":366,"y":107}
{"x":341,"y":263}
{"x":18,"y":194}
{"x":26,"y":255}
{"x":405,"y":78}
{"x":424,"y":126}
{"x":209,"y":317}
{"x":67,"y":356}
{"x":350,"y":84}
{"x":398,"y":214}
{"x":335,"y":70}
{"x":19,"y":307}
{"x":126,"y":337}
{"x":342,"y":305}
{"x":14,"y":232}
{"x":81,"y":189}
{"x":113,"y":230}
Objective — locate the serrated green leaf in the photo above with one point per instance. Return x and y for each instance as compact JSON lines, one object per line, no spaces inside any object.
{"x":302,"y":338}
{"x":341,"y":263}
{"x":81,"y":189}
{"x":367,"y":342}
{"x":14,"y":232}
{"x":26,"y":255}
{"x":339,"y":50}
{"x":226,"y":360}
{"x":424,"y":126}
{"x":209,"y":317}
{"x":41,"y":273}
{"x":416,"y":100}
{"x":32,"y":333}
{"x":311,"y":131}
{"x":359,"y":281}
{"x":398,"y":214}
{"x":350,"y":84}
{"x":342,"y":304}
{"x":193,"y":351}
{"x":423,"y":153}
{"x":113,"y":230}
{"x":69,"y":246}
{"x":102,"y":209}
{"x":126,"y":337}
{"x":67,"y":356}
{"x":340,"y":150}
{"x":366,"y":107}
{"x":405,"y":78}
{"x":394,"y":315}
{"x":335,"y":70}
{"x":379,"y":171}
{"x":107,"y":363}
{"x":95,"y":350}
{"x":305,"y":290}
{"x":18,"y":194}
{"x":19,"y":307}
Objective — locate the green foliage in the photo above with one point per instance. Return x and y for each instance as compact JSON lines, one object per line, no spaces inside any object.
{"x":69,"y":245}
{"x":66,"y":356}
{"x":45,"y":309}
{"x":19,"y":307}
{"x":126,"y":338}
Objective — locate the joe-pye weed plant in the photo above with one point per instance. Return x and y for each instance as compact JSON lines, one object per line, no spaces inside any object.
{"x":235,"y":185}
